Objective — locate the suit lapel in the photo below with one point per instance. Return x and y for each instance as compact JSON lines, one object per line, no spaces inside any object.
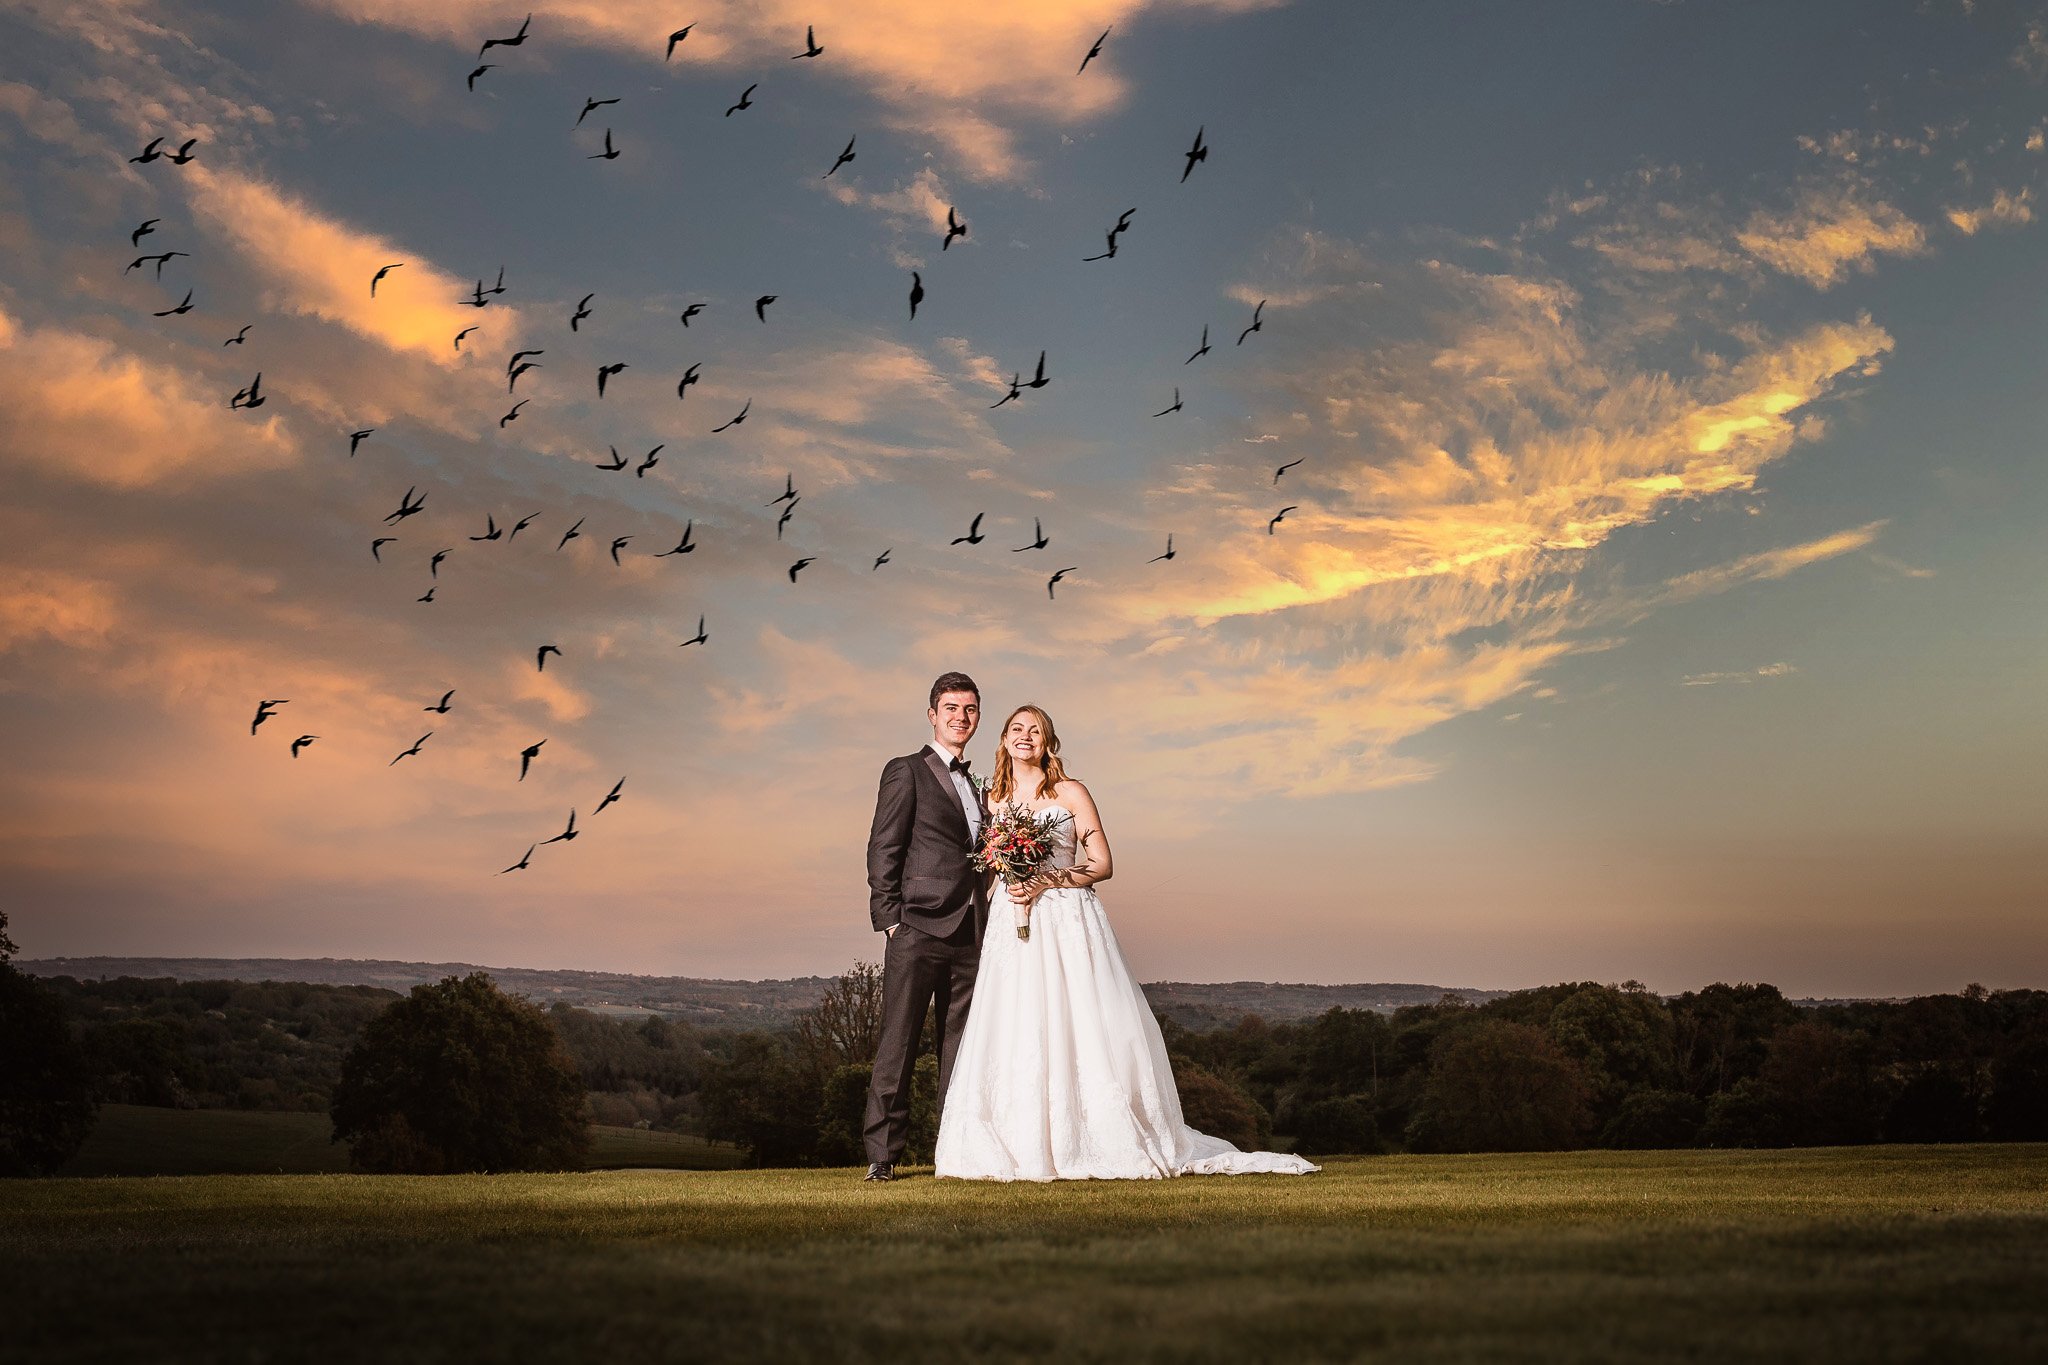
{"x":944,"y":775}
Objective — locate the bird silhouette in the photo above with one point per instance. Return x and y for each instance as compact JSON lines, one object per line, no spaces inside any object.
{"x":184,"y":152}
{"x":251,"y":397}
{"x":568,"y":833}
{"x":735,"y":421}
{"x":1282,"y":470}
{"x":788,"y":493}
{"x":184,"y":307}
{"x":610,"y":153}
{"x":476,"y":298}
{"x":746,"y":102}
{"x":356,"y":438}
{"x":514,"y":41}
{"x":375,"y":544}
{"x":618,"y":461}
{"x":844,"y":157}
{"x":540,"y":657}
{"x":1016,"y":392}
{"x":954,"y":228}
{"x":647,"y":462}
{"x":1255,"y":323}
{"x":795,"y":568}
{"x":513,"y":415}
{"x":440,"y":707}
{"x":149,"y":153}
{"x":582,"y":312}
{"x":691,"y":312}
{"x":414,"y":749}
{"x":883,"y":558}
{"x":434,"y":564}
{"x":428,"y":595}
{"x":1038,"y":540}
{"x":478,"y":72}
{"x":761,"y":306}
{"x":159,"y":258}
{"x":381,"y":273}
{"x":700,"y":637}
{"x":1093,"y":53}
{"x":147,"y":226}
{"x":497,"y":288}
{"x":617,"y":541}
{"x":240,"y":338}
{"x":916,"y":293}
{"x":461,"y":334}
{"x":569,"y":534}
{"x":527,"y":755}
{"x":609,"y":797}
{"x":524,"y":859}
{"x":1278,"y":517}
{"x":787,"y":513}
{"x":683,"y":546}
{"x":1201,"y":350}
{"x":521,"y":525}
{"x":588,"y":105}
{"x":1195,"y":153}
{"x":1169,"y":550}
{"x":264,"y":710}
{"x":675,"y":38}
{"x":512,"y":377}
{"x":606,"y":371}
{"x":301,"y":742}
{"x":518,"y":356}
{"x":1039,"y":380}
{"x":683,"y":384}
{"x":811,"y":48}
{"x":1050,"y":582}
{"x":1176,"y":403}
{"x":974,"y":535}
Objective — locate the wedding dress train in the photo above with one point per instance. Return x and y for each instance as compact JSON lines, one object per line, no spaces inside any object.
{"x":1062,"y":1073}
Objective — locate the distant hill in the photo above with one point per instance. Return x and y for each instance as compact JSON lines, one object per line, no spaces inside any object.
{"x":725,"y":1004}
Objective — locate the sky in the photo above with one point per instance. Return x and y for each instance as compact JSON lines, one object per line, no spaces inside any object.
{"x":1661,"y":594}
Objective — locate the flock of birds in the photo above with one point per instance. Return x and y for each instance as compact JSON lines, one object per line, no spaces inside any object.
{"x":525,"y":361}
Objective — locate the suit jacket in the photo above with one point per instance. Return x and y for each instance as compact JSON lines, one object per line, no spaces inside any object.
{"x":919,"y":851}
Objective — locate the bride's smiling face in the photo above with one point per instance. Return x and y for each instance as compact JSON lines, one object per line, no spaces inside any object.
{"x":1024,"y":740}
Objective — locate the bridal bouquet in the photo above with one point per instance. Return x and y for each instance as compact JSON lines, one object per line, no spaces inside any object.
{"x":1014,"y":844}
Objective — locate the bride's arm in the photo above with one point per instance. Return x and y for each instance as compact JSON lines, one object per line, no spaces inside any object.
{"x":1089,"y":840}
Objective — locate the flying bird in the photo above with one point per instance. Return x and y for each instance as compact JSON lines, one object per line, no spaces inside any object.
{"x":1201,"y":350}
{"x":761,"y":306}
{"x":518,"y":356}
{"x":240,"y":337}
{"x":440,"y":707}
{"x":380,"y":541}
{"x":1039,"y":381}
{"x":689,"y":378}
{"x":735,"y":421}
{"x":618,"y":461}
{"x":1195,"y":153}
{"x":434,"y":564}
{"x":1255,"y":323}
{"x":512,"y":377}
{"x":1278,"y":517}
{"x":148,"y":226}
{"x":883,"y":558}
{"x":251,"y":397}
{"x":381,"y":273}
{"x":798,"y":566}
{"x":683,"y":546}
{"x":617,"y":541}
{"x":1014,"y":394}
{"x":522,"y":525}
{"x":916,"y":293}
{"x":1176,"y":403}
{"x":787,"y":513}
{"x":527,"y":755}
{"x":497,"y":288}
{"x":610,"y":153}
{"x":1169,"y":550}
{"x":514,"y":41}
{"x":588,"y":105}
{"x":513,"y":415}
{"x":1056,"y":578}
{"x":264,"y":712}
{"x":677,"y":37}
{"x":149,"y":153}
{"x":1093,"y":53}
{"x":568,"y":833}
{"x":569,"y":534}
{"x":183,"y":307}
{"x":478,"y":72}
{"x":954,"y":228}
{"x":428,"y":595}
{"x":745,"y":102}
{"x":844,"y":157}
{"x":184,"y":152}
{"x":609,"y":797}
{"x":811,"y":48}
{"x":647,"y":462}
{"x":1038,"y":540}
{"x":582,"y":312}
{"x":301,"y":742}
{"x":691,"y":312}
{"x":605,"y":372}
{"x":461,"y":334}
{"x":540,"y":657}
{"x":159,"y":258}
{"x":974,"y":535}
{"x":524,"y":859}
{"x":700,"y":637}
{"x":414,"y":749}
{"x":1282,"y":470}
{"x":356,"y":438}
{"x":476,"y":299}
{"x":788,"y":493}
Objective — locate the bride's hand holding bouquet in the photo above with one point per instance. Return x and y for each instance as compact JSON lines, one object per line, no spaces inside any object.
{"x":1015,"y":845}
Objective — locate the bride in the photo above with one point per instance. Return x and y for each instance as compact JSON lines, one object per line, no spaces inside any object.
{"x":1061,"y":1072}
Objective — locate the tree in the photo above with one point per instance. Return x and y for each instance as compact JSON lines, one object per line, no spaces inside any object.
{"x":459,"y":1076}
{"x":47,"y":1107}
{"x":1336,"y":1127}
{"x":845,"y":1026}
{"x":1655,"y":1118}
{"x":1821,"y":1081}
{"x":1209,"y":1104}
{"x":1623,"y":1039}
{"x":1499,"y":1086}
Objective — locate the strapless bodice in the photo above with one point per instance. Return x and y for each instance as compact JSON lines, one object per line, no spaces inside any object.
{"x":1064,"y":843}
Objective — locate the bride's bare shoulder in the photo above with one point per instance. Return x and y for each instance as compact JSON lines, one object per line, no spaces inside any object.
{"x":1073,"y":793}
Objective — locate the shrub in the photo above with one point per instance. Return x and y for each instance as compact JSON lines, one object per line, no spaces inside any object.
{"x":1209,"y":1104}
{"x":1743,"y":1115}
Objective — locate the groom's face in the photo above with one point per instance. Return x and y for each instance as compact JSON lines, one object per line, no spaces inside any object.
{"x":955,"y":717}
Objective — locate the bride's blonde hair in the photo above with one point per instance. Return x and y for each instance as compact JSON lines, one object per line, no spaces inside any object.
{"x":1004,"y":781}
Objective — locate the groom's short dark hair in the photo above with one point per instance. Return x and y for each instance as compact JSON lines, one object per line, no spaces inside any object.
{"x":952,"y":682}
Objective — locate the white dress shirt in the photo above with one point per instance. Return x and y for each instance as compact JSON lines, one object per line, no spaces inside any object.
{"x":969,"y":803}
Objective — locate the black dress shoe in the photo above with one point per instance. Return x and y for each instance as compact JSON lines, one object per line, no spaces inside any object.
{"x":881,"y":1170}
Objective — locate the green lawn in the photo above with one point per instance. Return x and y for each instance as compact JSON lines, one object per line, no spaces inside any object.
{"x":132,"y":1139}
{"x":1865,"y":1254}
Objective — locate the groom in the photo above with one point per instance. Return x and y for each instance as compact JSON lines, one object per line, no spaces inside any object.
{"x":923,"y":893}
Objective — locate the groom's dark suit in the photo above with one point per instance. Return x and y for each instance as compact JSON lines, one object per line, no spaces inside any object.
{"x":921,"y":879}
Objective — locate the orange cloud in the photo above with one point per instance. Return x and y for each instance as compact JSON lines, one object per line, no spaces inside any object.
{"x":1828,"y":232}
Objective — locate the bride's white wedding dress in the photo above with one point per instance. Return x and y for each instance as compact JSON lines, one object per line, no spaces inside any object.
{"x":1062,"y":1073}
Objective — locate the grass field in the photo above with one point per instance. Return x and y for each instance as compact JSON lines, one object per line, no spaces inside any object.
{"x":133,"y":1139}
{"x":1850,"y":1254}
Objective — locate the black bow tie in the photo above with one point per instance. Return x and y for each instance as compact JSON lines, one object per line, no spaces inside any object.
{"x":961,"y":765}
